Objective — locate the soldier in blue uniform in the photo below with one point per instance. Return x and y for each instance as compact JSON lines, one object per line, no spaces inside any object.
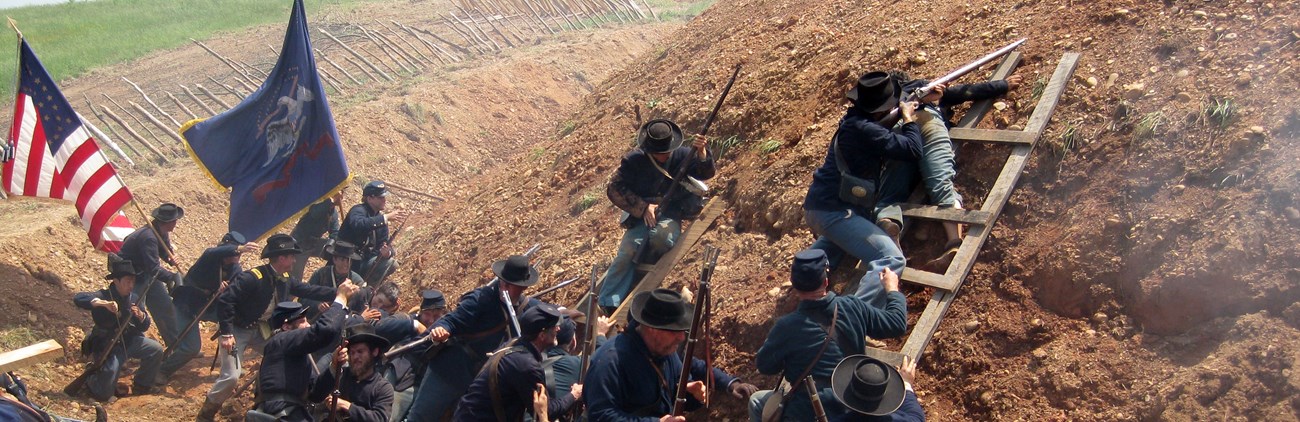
{"x":243,"y":311}
{"x":875,"y":392}
{"x":638,"y":188}
{"x":480,"y":324}
{"x":109,"y":307}
{"x":634,"y":375}
{"x":793,"y":345}
{"x":207,"y":278}
{"x":561,"y":365}
{"x":504,"y":388}
{"x":287,"y":373}
{"x":147,"y":248}
{"x":318,"y":225}
{"x":364,"y":394}
{"x":404,"y":370}
{"x":335,"y":272}
{"x":367,"y":227}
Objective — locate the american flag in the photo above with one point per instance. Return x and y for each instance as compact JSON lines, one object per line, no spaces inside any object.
{"x":54,"y":156}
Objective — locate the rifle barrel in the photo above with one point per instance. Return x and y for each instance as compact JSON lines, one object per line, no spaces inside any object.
{"x":919,"y":93}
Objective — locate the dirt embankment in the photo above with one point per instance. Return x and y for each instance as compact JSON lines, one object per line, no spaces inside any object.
{"x":431,"y":132}
{"x":1142,"y":270}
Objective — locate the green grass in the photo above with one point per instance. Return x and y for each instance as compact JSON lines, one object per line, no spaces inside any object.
{"x":722,"y":146}
{"x":671,"y":10}
{"x":769,"y":146}
{"x":19,"y":337}
{"x":1220,"y":112}
{"x":587,"y":200}
{"x":1148,"y":127}
{"x":73,"y":38}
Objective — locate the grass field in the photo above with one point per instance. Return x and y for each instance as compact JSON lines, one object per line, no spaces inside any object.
{"x":75,"y":37}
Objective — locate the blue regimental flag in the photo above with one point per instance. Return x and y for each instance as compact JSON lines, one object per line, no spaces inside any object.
{"x":277,"y":151}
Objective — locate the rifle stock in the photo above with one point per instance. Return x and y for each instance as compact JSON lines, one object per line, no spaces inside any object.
{"x":79,"y":382}
{"x":920,"y":93}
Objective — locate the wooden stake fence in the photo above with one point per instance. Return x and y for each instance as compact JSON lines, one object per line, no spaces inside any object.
{"x":196,"y":100}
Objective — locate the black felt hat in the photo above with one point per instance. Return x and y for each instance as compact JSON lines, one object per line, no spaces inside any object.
{"x":875,"y":92}
{"x":808,"y":270}
{"x":538,"y":318}
{"x":167,"y":212}
{"x":119,"y":267}
{"x":432,"y":299}
{"x":365,"y":333}
{"x":659,"y":135}
{"x":341,"y":248}
{"x":285,"y":312}
{"x":867,"y":385}
{"x":280,"y":244}
{"x":515,"y":270}
{"x":663,"y":309}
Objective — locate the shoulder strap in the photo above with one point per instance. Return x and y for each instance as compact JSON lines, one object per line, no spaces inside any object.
{"x":830,"y":334}
{"x":659,"y":167}
{"x":256,"y":273}
{"x":494,"y":387}
{"x":843,"y":166}
{"x":548,"y":369}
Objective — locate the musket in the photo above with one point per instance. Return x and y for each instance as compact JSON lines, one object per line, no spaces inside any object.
{"x":819,"y":411}
{"x":588,"y":337}
{"x":391,"y":237}
{"x":562,"y":284}
{"x":702,"y":301}
{"x":919,"y":93}
{"x":171,"y":348}
{"x":426,"y":340}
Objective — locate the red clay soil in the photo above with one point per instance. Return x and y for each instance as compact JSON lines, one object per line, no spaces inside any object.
{"x":1144,"y":269}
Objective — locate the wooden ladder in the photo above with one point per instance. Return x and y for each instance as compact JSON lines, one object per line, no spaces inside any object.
{"x":981,"y":220}
{"x":685,"y":242}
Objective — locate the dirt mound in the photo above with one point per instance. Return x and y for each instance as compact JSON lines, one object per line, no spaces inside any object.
{"x":1105,"y":257}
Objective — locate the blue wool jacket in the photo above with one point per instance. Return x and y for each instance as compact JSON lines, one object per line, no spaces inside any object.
{"x":796,"y":337}
{"x":481,"y":320}
{"x":865,"y":145}
{"x":625,"y":383}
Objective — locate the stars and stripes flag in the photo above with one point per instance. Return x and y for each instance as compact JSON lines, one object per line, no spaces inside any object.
{"x":55,"y":156}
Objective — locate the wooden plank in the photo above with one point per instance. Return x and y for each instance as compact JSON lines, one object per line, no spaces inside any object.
{"x":38,"y":353}
{"x":1052,"y":95}
{"x":925,"y":327}
{"x":926,"y":278}
{"x":992,"y":135}
{"x":980,"y":108}
{"x":890,"y":357}
{"x":666,"y":263}
{"x":930,"y":212}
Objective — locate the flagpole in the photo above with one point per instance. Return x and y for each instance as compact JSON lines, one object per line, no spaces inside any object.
{"x":17,"y":69}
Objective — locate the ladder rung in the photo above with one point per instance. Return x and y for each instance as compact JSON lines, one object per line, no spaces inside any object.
{"x":931,"y":212}
{"x":923,"y":277}
{"x":993,"y":135}
{"x":890,"y":357}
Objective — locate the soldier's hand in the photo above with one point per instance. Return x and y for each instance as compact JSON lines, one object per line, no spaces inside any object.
{"x":540,"y":402}
{"x":346,"y":290}
{"x":576,"y":391}
{"x":371,"y":314}
{"x":889,"y":280}
{"x":742,"y":390}
{"x":1014,"y":81}
{"x":907,"y":109}
{"x":321,"y":307}
{"x":340,"y":357}
{"x":439,"y":334}
{"x":935,"y":94}
{"x":696,"y":388}
{"x":223,"y":287}
{"x":227,"y":342}
{"x":649,"y":216}
{"x":249,"y":247}
{"x":907,"y":371}
{"x":386,"y":251}
{"x":603,"y":324}
{"x":343,"y":406}
{"x":671,"y":418}
{"x":137,"y":313}
{"x":700,"y":144}
{"x":111,"y":306}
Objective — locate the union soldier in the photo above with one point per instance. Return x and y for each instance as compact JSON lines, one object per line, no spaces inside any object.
{"x":793,"y":345}
{"x":633,"y":375}
{"x":480,"y":324}
{"x":314,"y":229}
{"x":366,"y":226}
{"x":114,"y":305}
{"x":364,"y":394}
{"x":503,"y":388}
{"x":335,"y":272}
{"x":287,"y":373}
{"x":638,"y":187}
{"x":875,"y":392}
{"x":147,"y":248}
{"x":561,"y":366}
{"x":404,"y":370}
{"x":207,"y":278}
{"x":243,"y":312}
{"x":869,"y":168}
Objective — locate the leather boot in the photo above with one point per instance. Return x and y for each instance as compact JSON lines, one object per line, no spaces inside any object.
{"x":208,"y":412}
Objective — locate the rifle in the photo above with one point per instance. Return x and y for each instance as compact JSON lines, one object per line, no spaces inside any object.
{"x":171,"y":348}
{"x":703,"y":303}
{"x":559,"y":286}
{"x":80,"y":382}
{"x":391,"y":238}
{"x":819,"y":411}
{"x":919,"y":93}
{"x":679,"y":179}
